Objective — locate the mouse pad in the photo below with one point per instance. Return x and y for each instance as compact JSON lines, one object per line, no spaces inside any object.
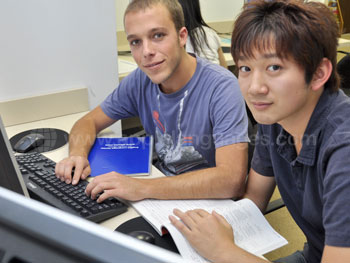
{"x":139,"y":223}
{"x":54,"y":138}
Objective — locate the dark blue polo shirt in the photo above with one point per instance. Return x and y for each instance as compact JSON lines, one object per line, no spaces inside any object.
{"x":315,"y":185}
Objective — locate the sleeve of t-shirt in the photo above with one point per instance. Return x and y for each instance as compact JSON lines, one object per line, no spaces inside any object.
{"x":227,"y":112}
{"x":336,"y":191}
{"x":121,"y":103}
{"x":261,"y":161}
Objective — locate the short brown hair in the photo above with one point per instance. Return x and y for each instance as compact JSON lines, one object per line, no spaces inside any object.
{"x":173,"y":7}
{"x":305,"y":32}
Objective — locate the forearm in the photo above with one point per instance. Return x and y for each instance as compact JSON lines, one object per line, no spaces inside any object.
{"x":259,"y":189}
{"x":83,"y":133}
{"x":81,"y":138}
{"x":216,"y":182}
{"x":235,"y":254}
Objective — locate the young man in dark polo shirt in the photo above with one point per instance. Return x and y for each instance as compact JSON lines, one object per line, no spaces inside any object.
{"x":286,"y":55}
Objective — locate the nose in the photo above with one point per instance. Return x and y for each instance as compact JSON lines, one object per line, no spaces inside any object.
{"x":148,"y":48}
{"x":257,"y":84}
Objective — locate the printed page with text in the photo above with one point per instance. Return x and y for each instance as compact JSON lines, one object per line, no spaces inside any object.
{"x":252,"y":232}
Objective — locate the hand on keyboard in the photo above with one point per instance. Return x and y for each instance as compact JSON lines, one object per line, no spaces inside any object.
{"x":39,"y":176}
{"x":80,"y":165}
{"x":117,"y":185}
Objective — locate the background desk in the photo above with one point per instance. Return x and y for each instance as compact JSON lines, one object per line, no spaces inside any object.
{"x":66,"y":123}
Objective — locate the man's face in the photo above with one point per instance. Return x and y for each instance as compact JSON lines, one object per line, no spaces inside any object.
{"x":154,"y":42}
{"x":274,"y":88}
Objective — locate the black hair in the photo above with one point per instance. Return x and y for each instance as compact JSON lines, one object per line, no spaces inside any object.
{"x":193,"y":20}
{"x":307,"y":32}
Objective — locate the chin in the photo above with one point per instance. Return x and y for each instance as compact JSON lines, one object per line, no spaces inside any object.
{"x":264,"y":120}
{"x":158,"y":79}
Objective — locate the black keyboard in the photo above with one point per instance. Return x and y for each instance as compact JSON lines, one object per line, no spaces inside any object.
{"x":39,"y":175}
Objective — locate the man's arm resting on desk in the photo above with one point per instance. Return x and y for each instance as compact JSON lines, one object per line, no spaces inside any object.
{"x":226,"y":180}
{"x":212,"y":236}
{"x":259,"y":189}
{"x":335,"y":254}
{"x":81,"y":138}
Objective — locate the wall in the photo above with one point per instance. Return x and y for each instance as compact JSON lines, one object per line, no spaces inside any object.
{"x":56,"y":45}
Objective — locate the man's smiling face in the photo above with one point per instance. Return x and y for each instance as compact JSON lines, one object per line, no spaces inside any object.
{"x":154,"y":42}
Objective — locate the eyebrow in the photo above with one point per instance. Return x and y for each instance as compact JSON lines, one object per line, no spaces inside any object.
{"x":149,"y":32}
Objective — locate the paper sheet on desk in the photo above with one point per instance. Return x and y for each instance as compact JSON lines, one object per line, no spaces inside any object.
{"x":125,"y":66}
{"x":252,"y":232}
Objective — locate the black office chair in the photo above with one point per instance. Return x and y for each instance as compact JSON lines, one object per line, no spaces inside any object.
{"x":343,"y":68}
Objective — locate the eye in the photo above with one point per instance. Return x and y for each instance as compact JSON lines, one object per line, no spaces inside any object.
{"x":158,"y":35}
{"x":244,"y":69}
{"x":274,"y":68}
{"x":134,"y":42}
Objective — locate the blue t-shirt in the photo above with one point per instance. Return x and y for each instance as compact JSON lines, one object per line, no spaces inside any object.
{"x":188,"y":125}
{"x":314,"y":185}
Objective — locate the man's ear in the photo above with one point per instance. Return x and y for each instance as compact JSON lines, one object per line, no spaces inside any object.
{"x":322,"y":74}
{"x":183,"y":34}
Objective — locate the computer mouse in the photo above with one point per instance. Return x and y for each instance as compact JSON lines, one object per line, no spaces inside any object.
{"x":29,"y":142}
{"x":143,"y":235}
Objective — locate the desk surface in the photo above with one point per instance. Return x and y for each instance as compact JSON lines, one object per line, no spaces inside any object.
{"x":66,"y":123}
{"x":343,"y":43}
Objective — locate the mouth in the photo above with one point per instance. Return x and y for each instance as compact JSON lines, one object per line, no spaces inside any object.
{"x":261,"y":105}
{"x":153,"y":65}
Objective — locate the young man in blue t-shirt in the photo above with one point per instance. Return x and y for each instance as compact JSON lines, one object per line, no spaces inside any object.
{"x":193,"y":109}
{"x":286,"y":53}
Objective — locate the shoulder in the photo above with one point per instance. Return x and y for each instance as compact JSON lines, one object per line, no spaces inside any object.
{"x":215,"y":78}
{"x":333,"y":138}
{"x":212,"y":35}
{"x":338,"y":120}
{"x":210,"y":31}
{"x":219,"y":87}
{"x":215,"y":71}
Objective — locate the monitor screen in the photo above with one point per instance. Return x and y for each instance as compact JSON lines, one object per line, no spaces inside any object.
{"x":31,"y":231}
{"x":10,"y":177}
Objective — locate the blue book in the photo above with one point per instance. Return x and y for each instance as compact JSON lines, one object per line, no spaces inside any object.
{"x":127,"y":155}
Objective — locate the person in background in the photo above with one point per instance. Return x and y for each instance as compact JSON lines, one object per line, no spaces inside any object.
{"x":193,"y":109}
{"x":286,"y":53}
{"x":203,"y":40}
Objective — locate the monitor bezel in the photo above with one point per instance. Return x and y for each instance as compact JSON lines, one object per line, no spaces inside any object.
{"x":36,"y":232}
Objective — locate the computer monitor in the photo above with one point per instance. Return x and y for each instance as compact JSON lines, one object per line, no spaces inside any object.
{"x":32,"y":231}
{"x":10,"y":176}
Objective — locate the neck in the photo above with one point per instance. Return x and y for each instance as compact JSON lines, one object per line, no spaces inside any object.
{"x":296,"y":124}
{"x":182,"y":74}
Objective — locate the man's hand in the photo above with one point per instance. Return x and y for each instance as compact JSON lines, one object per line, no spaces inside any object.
{"x":210,"y":234}
{"x":116,"y":185}
{"x":65,"y":167}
